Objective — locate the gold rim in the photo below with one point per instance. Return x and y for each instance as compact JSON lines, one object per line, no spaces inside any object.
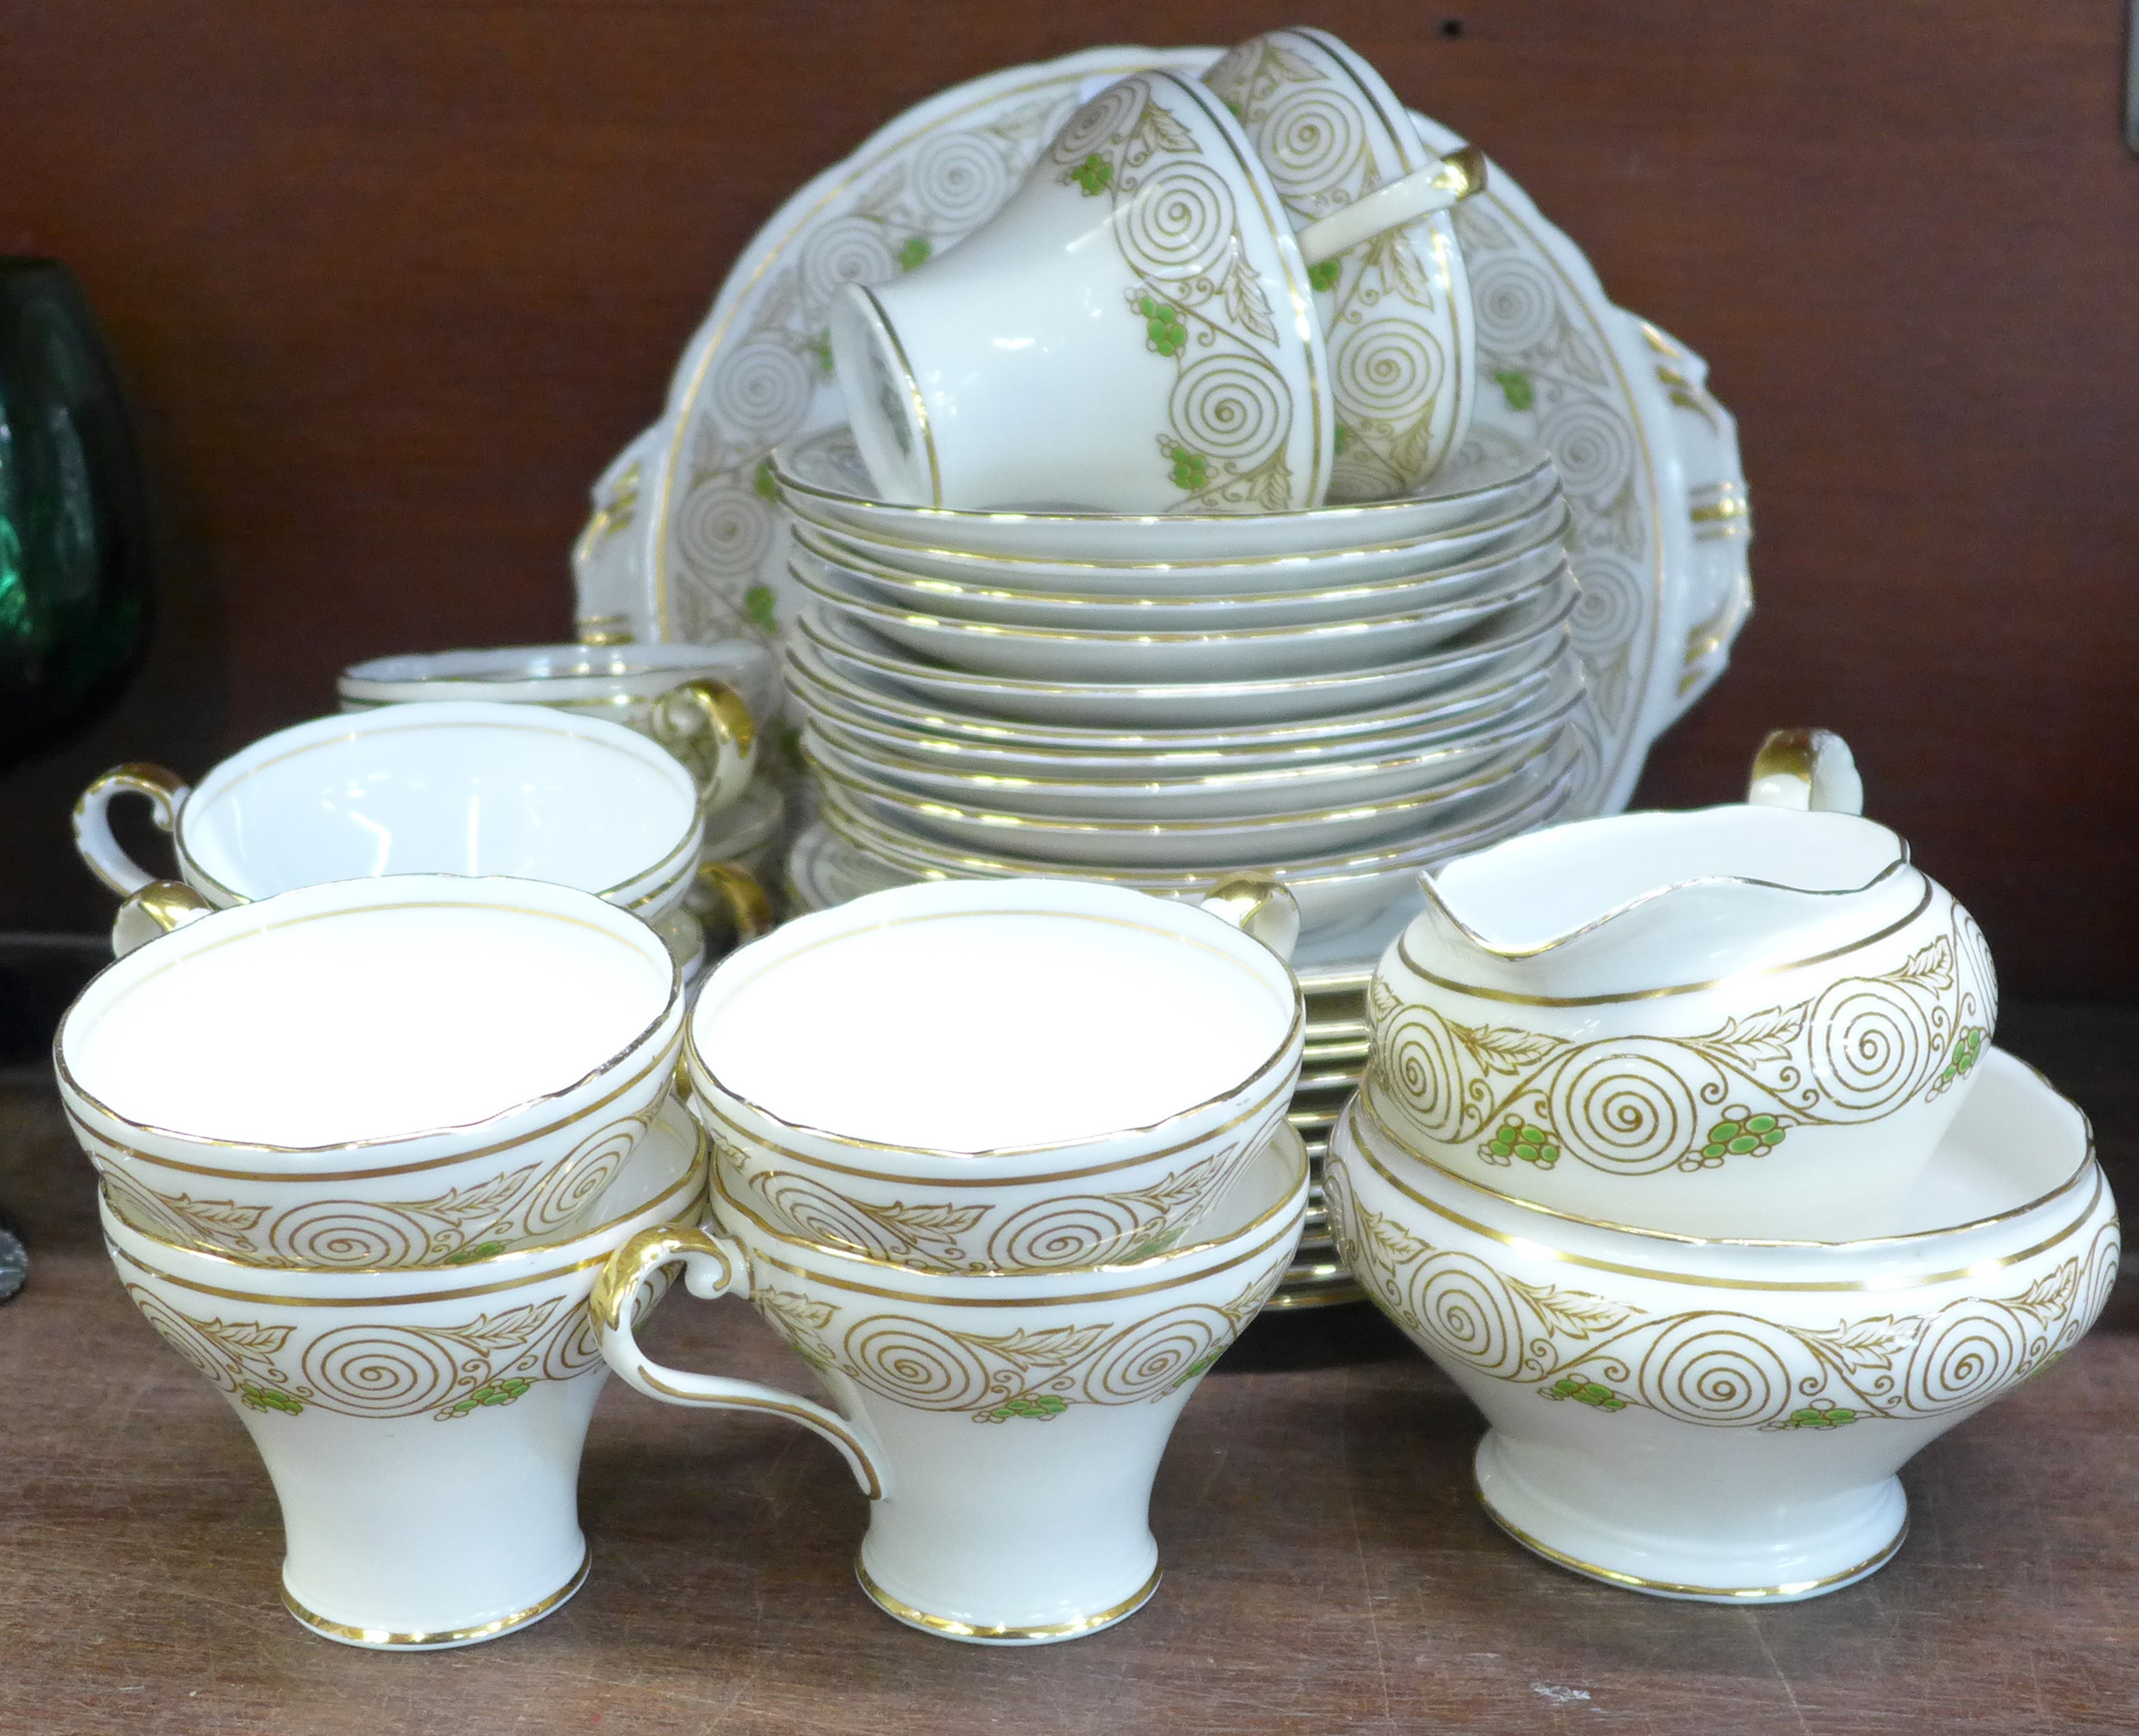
{"x":1368,"y":1108}
{"x":1557,"y":601}
{"x":1297,"y":1170}
{"x":1916,"y":1280}
{"x":914,"y":394}
{"x":964,"y":1630}
{"x":387,"y":1638}
{"x":1465,"y":610}
{"x":1634,"y":1581}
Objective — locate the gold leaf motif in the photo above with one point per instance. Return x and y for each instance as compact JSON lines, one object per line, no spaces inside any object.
{"x":1244,"y":301}
{"x":1872,"y":1343}
{"x":508,"y":1331}
{"x":806,"y":1313}
{"x":243,"y":1338}
{"x":484,"y":1200}
{"x":226,"y":1215}
{"x":1577,"y":1313}
{"x":1050,"y":1348}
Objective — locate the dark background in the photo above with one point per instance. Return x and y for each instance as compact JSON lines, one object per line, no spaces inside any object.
{"x":391,"y":283}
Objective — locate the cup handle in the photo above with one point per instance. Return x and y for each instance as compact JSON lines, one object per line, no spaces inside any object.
{"x":93,"y":841}
{"x":750,"y":907}
{"x":154,"y":910}
{"x":707,"y":725}
{"x":1454,"y":178}
{"x":1260,"y":907}
{"x":1808,"y":770}
{"x":713,"y":1266}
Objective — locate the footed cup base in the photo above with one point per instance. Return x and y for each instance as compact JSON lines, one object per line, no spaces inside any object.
{"x":385,"y":1640}
{"x":947,"y":1628}
{"x":1698,"y":1571}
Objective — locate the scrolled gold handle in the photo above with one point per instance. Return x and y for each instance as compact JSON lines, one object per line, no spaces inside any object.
{"x":1808,"y":770}
{"x":1261,"y":907}
{"x":707,"y":725}
{"x":731,"y":885}
{"x":154,"y":910}
{"x":166,"y":792}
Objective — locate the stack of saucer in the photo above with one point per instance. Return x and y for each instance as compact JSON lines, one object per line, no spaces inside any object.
{"x":1689,"y":1125}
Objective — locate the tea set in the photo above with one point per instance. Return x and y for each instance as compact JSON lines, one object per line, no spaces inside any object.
{"x":1208,"y":893}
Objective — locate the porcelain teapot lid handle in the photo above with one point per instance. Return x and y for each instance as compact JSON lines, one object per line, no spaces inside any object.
{"x":1810,"y":770}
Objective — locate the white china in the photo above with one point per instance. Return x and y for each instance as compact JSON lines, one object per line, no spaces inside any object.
{"x":1134,"y":330}
{"x":1010,"y":1491}
{"x":1255,"y":839}
{"x":1441,"y":566}
{"x":1156,"y":653}
{"x":1396,"y":315}
{"x":982,"y":1076}
{"x":422,"y":1430}
{"x":879,"y":707}
{"x":430,"y":787}
{"x":1058,"y":792}
{"x":685,"y":697}
{"x":1743,"y":1020}
{"x":408,"y":1072}
{"x":1722,"y":1420}
{"x":1507,"y":643}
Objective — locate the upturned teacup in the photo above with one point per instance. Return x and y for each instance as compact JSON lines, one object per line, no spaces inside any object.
{"x":706,"y":704}
{"x":999,"y":1076}
{"x":1007,"y":1427}
{"x":414,"y":1071}
{"x":1723,"y":1419}
{"x":422,"y":1430}
{"x":430,"y":787}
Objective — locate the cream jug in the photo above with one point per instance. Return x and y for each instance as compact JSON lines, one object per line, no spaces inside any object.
{"x":1752,"y":1021}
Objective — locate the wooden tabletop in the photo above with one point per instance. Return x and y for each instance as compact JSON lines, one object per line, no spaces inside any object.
{"x":1327,"y":1565}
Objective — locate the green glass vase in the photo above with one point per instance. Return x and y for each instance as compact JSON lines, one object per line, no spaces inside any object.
{"x":77,"y":534}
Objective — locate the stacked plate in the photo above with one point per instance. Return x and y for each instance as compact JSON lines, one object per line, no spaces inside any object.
{"x":1339,"y":696}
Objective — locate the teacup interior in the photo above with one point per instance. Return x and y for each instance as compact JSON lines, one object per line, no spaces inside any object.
{"x":534,"y":802}
{"x":363,"y":1024}
{"x":979,"y":1030}
{"x":1534,"y":888}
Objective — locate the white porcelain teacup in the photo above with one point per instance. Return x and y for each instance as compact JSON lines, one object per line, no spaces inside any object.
{"x":432,"y":787}
{"x":999,"y":1076}
{"x":423,"y":1429}
{"x":1006,"y":1426}
{"x":1723,"y":1419}
{"x":1743,"y":1020}
{"x":414,"y":1071}
{"x":706,"y":704}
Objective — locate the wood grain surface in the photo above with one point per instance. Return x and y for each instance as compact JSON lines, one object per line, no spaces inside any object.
{"x":1327,"y":1565}
{"x":393,"y":281}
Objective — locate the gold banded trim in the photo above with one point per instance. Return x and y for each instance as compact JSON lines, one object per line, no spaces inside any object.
{"x":966,"y":1630}
{"x":275,"y":1298}
{"x":1634,"y":1581}
{"x":385,"y":1637}
{"x":913,"y":393}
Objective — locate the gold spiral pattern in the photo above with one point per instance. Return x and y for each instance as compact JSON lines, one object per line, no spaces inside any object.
{"x":1716,"y":1371}
{"x":1311,"y":139}
{"x":576,"y":1345}
{"x":1464,"y":1307}
{"x":1416,"y":1052}
{"x":1179,"y":222}
{"x":350,"y":1233}
{"x":1387,"y":368}
{"x":1871,"y":1041}
{"x":1626,"y":1110}
{"x":372,"y":1370}
{"x":1967,"y":1355}
{"x":1106,"y":118}
{"x":1147,"y":1360}
{"x":1232,"y":407}
{"x":184,"y":1337}
{"x":913,"y":1363}
{"x":1077,"y":1230}
{"x":817,"y":1214}
{"x":575,"y":1183}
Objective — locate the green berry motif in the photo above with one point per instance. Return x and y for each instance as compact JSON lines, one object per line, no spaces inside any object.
{"x":1340,"y":440}
{"x":1586,"y":1391}
{"x":761,"y":482}
{"x":266,"y":1398}
{"x":914,"y":253}
{"x":820,"y":347}
{"x":757,"y":604}
{"x":481,"y":1250}
{"x":1190,"y":470}
{"x":1040,"y":1407}
{"x":1163,"y":326}
{"x":1516,"y":386}
{"x":1822,"y":1414}
{"x":1517,"y":1138}
{"x":1095,"y":173}
{"x":1751,"y":1136}
{"x":1968,"y":1050}
{"x":495,"y":1392}
{"x":1325,"y":275}
{"x":1235,"y":108}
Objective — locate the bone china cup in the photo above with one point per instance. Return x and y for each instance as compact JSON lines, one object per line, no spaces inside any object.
{"x":1724,"y":1420}
{"x":432,"y":787}
{"x":422,"y":1430}
{"x":1740,"y":1021}
{"x":999,"y":1076}
{"x":1006,"y":1426}
{"x":408,"y":1072}
{"x":703,"y":703}
{"x":1133,"y":332}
